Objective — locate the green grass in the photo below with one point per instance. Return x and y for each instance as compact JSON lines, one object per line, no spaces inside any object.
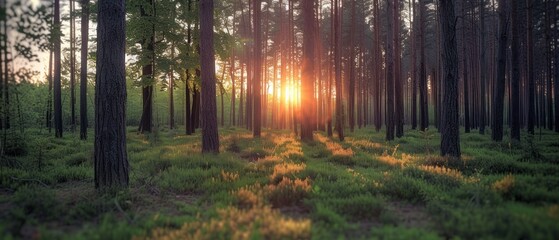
{"x":276,"y":187}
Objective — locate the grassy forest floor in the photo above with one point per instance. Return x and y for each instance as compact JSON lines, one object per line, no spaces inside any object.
{"x":276,"y":187}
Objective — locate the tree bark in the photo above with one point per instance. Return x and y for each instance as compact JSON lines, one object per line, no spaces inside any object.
{"x":465,"y":72}
{"x":57,"y":73}
{"x":307,"y":93}
{"x":423,"y":100}
{"x":83,"y":69}
{"x":377,"y":67}
{"x":530,"y":68}
{"x":338,"y":65}
{"x":188,"y":115}
{"x":499,"y":89}
{"x":389,"y":72}
{"x":148,"y":79}
{"x":351,"y":66}
{"x":257,"y":70}
{"x":515,"y":78}
{"x":72,"y":65}
{"x":110,"y":157}
{"x":483,"y":70}
{"x":414,"y":69}
{"x":210,"y":138}
{"x":399,"y":107}
{"x":450,"y":139}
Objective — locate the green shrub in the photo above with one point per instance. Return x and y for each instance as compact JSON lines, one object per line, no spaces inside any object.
{"x":35,"y":202}
{"x":403,"y":187}
{"x":359,"y":207}
{"x":397,"y":233}
{"x":16,"y":144}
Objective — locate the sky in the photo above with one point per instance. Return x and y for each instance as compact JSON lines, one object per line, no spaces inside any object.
{"x":43,"y":57}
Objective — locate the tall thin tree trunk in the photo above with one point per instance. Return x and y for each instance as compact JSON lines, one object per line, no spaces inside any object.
{"x":377,"y":67}
{"x":148,"y":79}
{"x":414,"y":68}
{"x":499,"y":89}
{"x":188,"y":115}
{"x":307,"y":93}
{"x":257,"y":75}
{"x":399,"y":110}
{"x":515,"y":78}
{"x":351,"y":66}
{"x":330,"y":71}
{"x":83,"y":69}
{"x":423,"y":100}
{"x":483,"y":71}
{"x":57,"y":73}
{"x":465,"y":72}
{"x":49,"y":101}
{"x":389,"y":62}
{"x":72,"y":65}
{"x":549,"y":57}
{"x":338,"y":65}
{"x":450,"y":139}
{"x":210,"y":138}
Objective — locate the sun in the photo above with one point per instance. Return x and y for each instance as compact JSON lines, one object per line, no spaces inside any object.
{"x":291,"y":93}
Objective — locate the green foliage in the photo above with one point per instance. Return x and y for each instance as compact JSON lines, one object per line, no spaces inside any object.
{"x":16,"y":144}
{"x":402,"y":233}
{"x":496,"y":194}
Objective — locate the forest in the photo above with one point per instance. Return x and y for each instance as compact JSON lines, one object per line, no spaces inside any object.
{"x":279,"y":119}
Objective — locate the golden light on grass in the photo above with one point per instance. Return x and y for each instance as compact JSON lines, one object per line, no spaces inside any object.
{"x":443,"y":171}
{"x":229,"y":176}
{"x":336,"y":148}
{"x":504,"y":185}
{"x":363,"y":144}
{"x":285,"y":169}
{"x":390,"y":160}
{"x":237,"y":224}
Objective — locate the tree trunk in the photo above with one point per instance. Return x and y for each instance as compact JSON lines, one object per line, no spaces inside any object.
{"x":499,"y":89}
{"x":450,"y":139}
{"x":110,"y":157}
{"x":188,"y":115}
{"x":515,"y":78}
{"x":414,"y":69}
{"x":389,"y":52}
{"x":377,"y":67}
{"x":423,"y":100}
{"x":338,"y":65}
{"x":171,"y":88}
{"x":72,"y":65}
{"x":57,"y":72}
{"x":556,"y":78}
{"x":307,"y":93}
{"x":399,"y":110}
{"x":330,"y":72}
{"x":2,"y":107}
{"x":351,"y":66}
{"x":530,"y":68}
{"x":483,"y":70}
{"x":83,"y":69}
{"x":257,"y":75}
{"x":148,"y":79}
{"x":49,"y":101}
{"x":210,"y":138}
{"x":233,"y":89}
{"x":465,"y":72}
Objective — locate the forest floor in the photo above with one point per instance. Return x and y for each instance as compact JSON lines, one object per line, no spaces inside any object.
{"x":277,"y":187}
